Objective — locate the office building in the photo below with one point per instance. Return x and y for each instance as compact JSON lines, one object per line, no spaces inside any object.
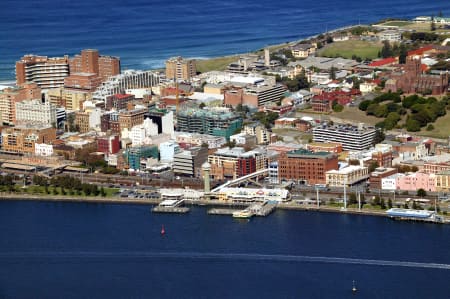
{"x":44,"y":71}
{"x":34,"y":111}
{"x":306,"y":167}
{"x":352,"y":137}
{"x":217,"y":122}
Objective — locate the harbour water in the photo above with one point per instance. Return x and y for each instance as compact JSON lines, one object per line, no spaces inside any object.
{"x":144,"y":34}
{"x":81,"y":250}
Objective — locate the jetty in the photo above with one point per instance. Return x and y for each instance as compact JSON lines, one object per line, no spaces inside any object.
{"x":171,"y":206}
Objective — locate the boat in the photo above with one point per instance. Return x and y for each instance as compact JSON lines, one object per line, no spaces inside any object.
{"x":354,"y":289}
{"x":242,"y":214}
{"x":163,"y":231}
{"x":409,"y":213}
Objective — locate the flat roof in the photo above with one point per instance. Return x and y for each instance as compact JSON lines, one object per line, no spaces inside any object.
{"x":18,"y":166}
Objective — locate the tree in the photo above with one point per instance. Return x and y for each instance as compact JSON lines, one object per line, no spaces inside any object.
{"x":333,"y":73}
{"x":373,"y":165}
{"x":201,"y":106}
{"x":382,"y":204}
{"x":421,"y":192}
{"x":432,"y":25}
{"x":403,"y":53}
{"x":379,"y":136}
{"x":390,"y":203}
{"x":386,"y":50}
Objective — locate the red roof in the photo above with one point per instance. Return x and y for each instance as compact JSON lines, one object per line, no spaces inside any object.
{"x":122,"y":95}
{"x":424,"y":67}
{"x":420,"y":51}
{"x":385,"y":61}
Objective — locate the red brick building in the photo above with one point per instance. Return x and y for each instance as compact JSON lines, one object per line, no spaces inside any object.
{"x":414,"y":81}
{"x":306,"y":166}
{"x":108,"y":144}
{"x":118,"y":101}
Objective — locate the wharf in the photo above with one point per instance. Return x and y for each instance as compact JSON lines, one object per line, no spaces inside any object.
{"x":221,"y":211}
{"x":161,"y":209}
{"x":264,"y":210}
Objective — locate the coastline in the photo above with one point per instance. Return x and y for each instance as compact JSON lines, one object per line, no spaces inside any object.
{"x":288,"y":206}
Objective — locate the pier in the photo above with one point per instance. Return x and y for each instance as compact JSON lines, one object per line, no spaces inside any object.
{"x":171,"y":206}
{"x":221,"y":211}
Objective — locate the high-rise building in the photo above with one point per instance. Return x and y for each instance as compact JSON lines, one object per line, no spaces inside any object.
{"x":88,"y":70}
{"x":180,"y":69}
{"x":44,"y":71}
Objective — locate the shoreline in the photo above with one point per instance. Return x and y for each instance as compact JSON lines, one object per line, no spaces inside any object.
{"x":289,"y":206}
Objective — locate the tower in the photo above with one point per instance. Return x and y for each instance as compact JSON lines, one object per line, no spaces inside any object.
{"x":206,"y":167}
{"x":266,"y":57}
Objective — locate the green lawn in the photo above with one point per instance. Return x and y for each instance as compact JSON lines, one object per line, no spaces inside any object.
{"x":347,"y":49}
{"x":40,"y":190}
{"x":214,"y":64}
{"x":396,"y":23}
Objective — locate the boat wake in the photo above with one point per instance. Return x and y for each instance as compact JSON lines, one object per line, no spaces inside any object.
{"x":19,"y":256}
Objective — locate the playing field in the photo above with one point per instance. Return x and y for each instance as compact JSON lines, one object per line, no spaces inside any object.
{"x":347,"y":49}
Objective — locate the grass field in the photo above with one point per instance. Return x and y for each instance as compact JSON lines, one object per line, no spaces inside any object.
{"x":396,"y":23}
{"x":441,"y":128}
{"x":354,"y":115}
{"x":347,"y":49}
{"x":215,"y":64}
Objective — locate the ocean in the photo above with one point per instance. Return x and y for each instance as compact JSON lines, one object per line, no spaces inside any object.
{"x":144,"y":34}
{"x":80,"y":250}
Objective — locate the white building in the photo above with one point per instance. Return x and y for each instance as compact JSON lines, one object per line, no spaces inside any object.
{"x":138,"y":134}
{"x":367,"y":87}
{"x":352,"y":137}
{"x":95,"y":118}
{"x":42,"y":149}
{"x":390,"y":182}
{"x":168,"y":124}
{"x":390,"y":35}
{"x":346,"y":176}
{"x":167,"y":150}
{"x":253,"y":194}
{"x":35,"y":111}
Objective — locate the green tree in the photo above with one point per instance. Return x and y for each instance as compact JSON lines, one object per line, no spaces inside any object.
{"x":421,"y":192}
{"x":364,"y":105}
{"x":382,"y":204}
{"x":386,"y":50}
{"x":390,"y":203}
{"x":433,"y":24}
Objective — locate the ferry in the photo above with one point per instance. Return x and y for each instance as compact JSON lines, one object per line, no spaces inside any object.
{"x":242,"y":214}
{"x":408,"y":213}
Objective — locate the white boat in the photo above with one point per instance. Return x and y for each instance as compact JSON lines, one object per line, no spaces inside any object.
{"x":242,"y":214}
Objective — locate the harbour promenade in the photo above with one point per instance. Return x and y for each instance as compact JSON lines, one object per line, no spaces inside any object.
{"x":222,"y":205}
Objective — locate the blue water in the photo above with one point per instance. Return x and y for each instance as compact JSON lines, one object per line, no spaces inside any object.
{"x":63,"y":250}
{"x":145,"y":33}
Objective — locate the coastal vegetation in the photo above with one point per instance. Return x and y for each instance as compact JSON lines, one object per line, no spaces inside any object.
{"x":416,"y":111}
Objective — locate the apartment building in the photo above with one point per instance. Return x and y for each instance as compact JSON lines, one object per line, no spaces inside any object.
{"x":180,"y":69}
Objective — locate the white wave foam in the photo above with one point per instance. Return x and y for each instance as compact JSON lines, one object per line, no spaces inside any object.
{"x":217,"y":256}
